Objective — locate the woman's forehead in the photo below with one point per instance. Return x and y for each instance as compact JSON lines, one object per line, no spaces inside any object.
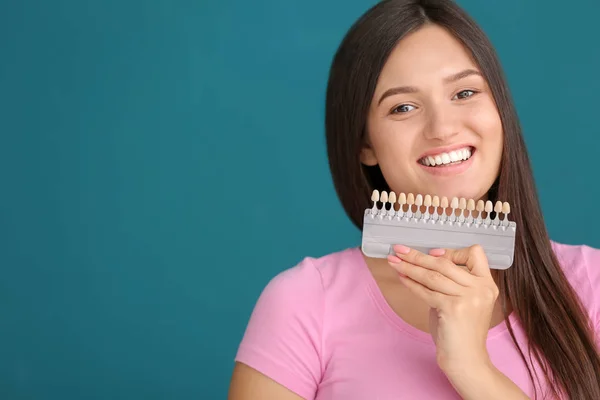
{"x":429,"y":52}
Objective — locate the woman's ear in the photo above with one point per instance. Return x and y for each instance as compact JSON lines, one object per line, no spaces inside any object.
{"x":367,"y":156}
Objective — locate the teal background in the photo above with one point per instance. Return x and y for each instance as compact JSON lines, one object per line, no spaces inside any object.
{"x":161,"y":160}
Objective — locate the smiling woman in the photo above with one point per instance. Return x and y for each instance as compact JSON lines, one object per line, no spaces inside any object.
{"x":433,"y":101}
{"x":417,"y":103}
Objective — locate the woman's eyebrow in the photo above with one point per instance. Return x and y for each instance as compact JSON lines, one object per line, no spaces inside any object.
{"x":397,"y":90}
{"x":411,"y":89}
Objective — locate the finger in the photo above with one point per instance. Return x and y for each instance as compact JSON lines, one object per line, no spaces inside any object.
{"x":472,"y":257}
{"x":433,"y":280}
{"x":431,"y":298}
{"x":442,"y":254}
{"x":441,"y":265}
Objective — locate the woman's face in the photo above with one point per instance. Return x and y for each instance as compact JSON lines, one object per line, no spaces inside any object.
{"x":431,"y":109}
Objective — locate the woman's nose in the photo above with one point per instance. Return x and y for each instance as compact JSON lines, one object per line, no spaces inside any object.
{"x":442,"y":124}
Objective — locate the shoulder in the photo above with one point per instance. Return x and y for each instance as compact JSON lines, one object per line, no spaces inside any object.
{"x":293,"y":303}
{"x":296,"y":297}
{"x":581,"y":266}
{"x":284,"y":336}
{"x":577,"y":259}
{"x":315,"y":275}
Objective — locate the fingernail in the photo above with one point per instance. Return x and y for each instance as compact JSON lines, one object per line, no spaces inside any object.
{"x":394,"y":259}
{"x":401,"y":249}
{"x":437,"y":252}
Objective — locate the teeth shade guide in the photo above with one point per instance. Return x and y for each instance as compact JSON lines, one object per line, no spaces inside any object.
{"x":434,"y":209}
{"x":425,"y":222}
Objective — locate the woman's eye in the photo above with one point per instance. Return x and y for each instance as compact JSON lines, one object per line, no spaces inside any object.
{"x":464,"y":94}
{"x":404,"y":108}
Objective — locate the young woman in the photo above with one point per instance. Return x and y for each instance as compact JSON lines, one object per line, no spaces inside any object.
{"x":414,"y":79}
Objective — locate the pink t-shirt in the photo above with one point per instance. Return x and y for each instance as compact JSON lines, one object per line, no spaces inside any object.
{"x":324,"y":330}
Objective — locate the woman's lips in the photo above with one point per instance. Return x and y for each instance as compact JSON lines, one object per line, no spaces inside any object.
{"x":450,"y":169}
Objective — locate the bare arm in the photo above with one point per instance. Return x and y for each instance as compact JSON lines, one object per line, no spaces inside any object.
{"x":249,"y":384}
{"x":485,"y":382}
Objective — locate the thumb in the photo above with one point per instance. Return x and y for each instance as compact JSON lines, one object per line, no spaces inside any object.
{"x":472,"y":257}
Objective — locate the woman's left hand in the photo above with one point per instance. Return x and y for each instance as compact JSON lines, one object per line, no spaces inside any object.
{"x":459,"y":288}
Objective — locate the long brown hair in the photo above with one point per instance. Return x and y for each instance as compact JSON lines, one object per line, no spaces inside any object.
{"x":557,"y":327}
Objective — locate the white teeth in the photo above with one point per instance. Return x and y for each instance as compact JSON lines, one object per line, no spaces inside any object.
{"x":447,"y":158}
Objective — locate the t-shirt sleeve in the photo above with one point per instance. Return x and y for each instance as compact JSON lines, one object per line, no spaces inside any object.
{"x":591,"y":258}
{"x":283,"y":339}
